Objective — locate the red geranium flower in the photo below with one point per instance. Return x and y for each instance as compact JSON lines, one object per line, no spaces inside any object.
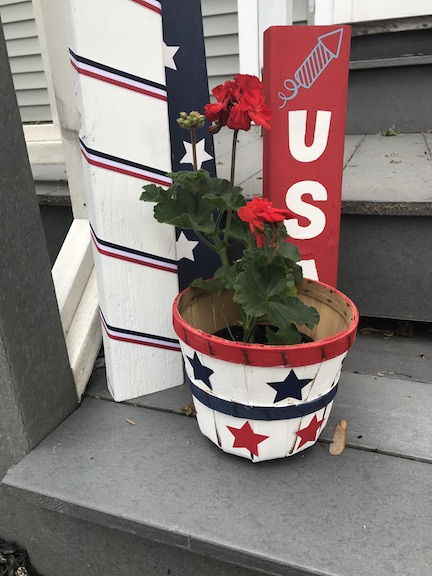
{"x":252,"y":103}
{"x":259,"y":211}
{"x":226,"y":95}
{"x":239,"y":102}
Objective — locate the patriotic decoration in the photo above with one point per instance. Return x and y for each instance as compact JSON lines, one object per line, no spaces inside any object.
{"x":306,"y":87}
{"x":188,"y":90}
{"x":137,"y":65}
{"x":286,"y":422}
{"x":263,"y":402}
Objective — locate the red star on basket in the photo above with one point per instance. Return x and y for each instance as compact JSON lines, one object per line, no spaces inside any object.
{"x":246,"y":438}
{"x":309,"y":434}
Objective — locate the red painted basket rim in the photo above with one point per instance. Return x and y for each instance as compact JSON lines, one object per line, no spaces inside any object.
{"x":264,"y":354}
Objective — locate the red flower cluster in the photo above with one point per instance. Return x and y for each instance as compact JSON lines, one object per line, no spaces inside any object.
{"x":260,"y":211}
{"x":239,"y":102}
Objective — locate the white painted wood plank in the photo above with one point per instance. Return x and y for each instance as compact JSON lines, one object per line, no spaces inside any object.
{"x":42,"y":152}
{"x":248,"y":31}
{"x":50,"y":19}
{"x":72,"y":270}
{"x":135,"y":300}
{"x":38,"y":132}
{"x":85,"y":336}
{"x":387,"y":9}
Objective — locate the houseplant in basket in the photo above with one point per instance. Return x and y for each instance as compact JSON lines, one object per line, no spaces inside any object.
{"x":263,"y":347}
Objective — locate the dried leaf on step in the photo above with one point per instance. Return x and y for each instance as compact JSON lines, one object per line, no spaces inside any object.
{"x":337,"y":445}
{"x":187,"y":410}
{"x":130,"y":422}
{"x":375,"y":331}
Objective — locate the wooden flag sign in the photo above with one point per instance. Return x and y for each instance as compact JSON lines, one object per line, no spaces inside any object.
{"x":306,"y":79}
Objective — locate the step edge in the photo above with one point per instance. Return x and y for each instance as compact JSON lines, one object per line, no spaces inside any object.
{"x":215,"y":550}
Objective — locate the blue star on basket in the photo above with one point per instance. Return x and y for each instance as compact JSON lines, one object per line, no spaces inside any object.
{"x":291,"y":387}
{"x":200,"y":371}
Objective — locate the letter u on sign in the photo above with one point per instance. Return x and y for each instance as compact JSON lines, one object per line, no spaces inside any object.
{"x":297,"y":135}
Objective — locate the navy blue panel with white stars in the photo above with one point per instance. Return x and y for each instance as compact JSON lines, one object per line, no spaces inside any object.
{"x":187,"y":86}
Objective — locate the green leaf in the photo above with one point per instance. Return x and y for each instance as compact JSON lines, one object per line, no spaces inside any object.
{"x":227,"y":275}
{"x":289,"y":335}
{"x":194,"y":181}
{"x":214,"y":286}
{"x":220,"y":195}
{"x":257,"y":285}
{"x":289,"y":251}
{"x":153,"y":193}
{"x":292,"y":309}
{"x":186,"y":211}
{"x":239,"y":230}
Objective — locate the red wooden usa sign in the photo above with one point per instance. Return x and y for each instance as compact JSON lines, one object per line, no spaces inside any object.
{"x":306,"y":79}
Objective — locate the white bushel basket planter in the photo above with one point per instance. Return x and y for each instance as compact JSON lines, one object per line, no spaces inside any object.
{"x":258,"y":401}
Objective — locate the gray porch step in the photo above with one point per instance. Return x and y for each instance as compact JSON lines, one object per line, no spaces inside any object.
{"x":134,"y":489}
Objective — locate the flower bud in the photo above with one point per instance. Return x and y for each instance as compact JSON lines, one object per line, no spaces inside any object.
{"x":191,"y":121}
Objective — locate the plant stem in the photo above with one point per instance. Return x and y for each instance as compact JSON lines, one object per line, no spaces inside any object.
{"x":205,"y":241}
{"x":194,"y":152}
{"x":233,"y":159}
{"x":249,"y":329}
{"x":224,"y":318}
{"x":232,"y":176}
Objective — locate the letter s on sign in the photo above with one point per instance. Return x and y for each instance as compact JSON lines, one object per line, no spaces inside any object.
{"x":295,"y":203}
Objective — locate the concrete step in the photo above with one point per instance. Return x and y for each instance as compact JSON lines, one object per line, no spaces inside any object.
{"x":390,"y":68}
{"x":134,"y":489}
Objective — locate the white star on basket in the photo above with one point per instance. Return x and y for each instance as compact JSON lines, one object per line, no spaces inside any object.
{"x":202,"y":155}
{"x":185,"y":247}
{"x":169,"y":52}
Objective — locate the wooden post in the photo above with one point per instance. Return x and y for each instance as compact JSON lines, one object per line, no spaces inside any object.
{"x":306,"y":81}
{"x":37,"y":388}
{"x":117,"y":51}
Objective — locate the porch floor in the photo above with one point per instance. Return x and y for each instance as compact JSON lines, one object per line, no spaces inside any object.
{"x":143,"y":468}
{"x":134,"y":489}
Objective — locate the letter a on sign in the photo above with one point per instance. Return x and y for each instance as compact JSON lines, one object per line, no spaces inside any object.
{"x":306,"y":80}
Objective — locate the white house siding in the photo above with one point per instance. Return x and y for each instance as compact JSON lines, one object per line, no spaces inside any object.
{"x":300,"y":12}
{"x":221,"y":39}
{"x":221,"y":36}
{"x":25,"y":59}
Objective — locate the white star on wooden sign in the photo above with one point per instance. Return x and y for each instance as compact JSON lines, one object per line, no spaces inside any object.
{"x":169,"y":52}
{"x":202,"y":155}
{"x":185,"y":247}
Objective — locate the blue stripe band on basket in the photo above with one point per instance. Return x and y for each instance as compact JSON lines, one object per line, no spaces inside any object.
{"x":260,"y":412}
